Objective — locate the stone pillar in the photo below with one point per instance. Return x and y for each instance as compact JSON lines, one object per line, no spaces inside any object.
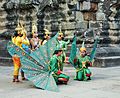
{"x":3,"y":19}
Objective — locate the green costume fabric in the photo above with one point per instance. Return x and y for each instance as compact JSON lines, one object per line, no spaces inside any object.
{"x":73,"y":52}
{"x":54,"y":67}
{"x":82,"y":68}
{"x":82,"y":73}
{"x":63,"y":45}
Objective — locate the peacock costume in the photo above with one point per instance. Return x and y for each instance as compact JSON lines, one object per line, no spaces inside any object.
{"x":82,"y":62}
{"x":36,"y":65}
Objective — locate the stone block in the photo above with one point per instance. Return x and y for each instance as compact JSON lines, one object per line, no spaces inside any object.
{"x":68,"y":26}
{"x":85,"y":6}
{"x":95,"y":1}
{"x":108,"y":51}
{"x":100,"y":7}
{"x":82,"y":25}
{"x":54,"y":27}
{"x":89,"y":16}
{"x":107,"y":61}
{"x":79,"y":16}
{"x":100,"y":16}
{"x":88,"y":6}
{"x":94,"y":7}
{"x":63,"y":5}
{"x":94,"y":24}
{"x":3,"y":13}
{"x":105,"y":25}
{"x":114,"y":25}
{"x":113,"y":33}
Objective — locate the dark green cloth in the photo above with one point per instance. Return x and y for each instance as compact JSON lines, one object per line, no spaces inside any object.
{"x":54,"y":67}
{"x":81,"y":71}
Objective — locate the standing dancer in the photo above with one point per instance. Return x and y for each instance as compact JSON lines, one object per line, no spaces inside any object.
{"x":35,"y":41}
{"x":62,"y":44}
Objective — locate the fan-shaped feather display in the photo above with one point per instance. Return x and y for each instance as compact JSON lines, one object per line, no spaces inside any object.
{"x":75,"y":52}
{"x":36,"y":64}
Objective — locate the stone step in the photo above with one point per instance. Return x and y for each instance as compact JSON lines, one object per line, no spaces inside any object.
{"x":110,"y":33}
{"x":5,"y":61}
{"x":110,"y":40}
{"x":3,"y":48}
{"x":107,"y":61}
{"x":108,"y":51}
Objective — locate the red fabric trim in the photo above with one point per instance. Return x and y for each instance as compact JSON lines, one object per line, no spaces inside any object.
{"x":88,"y":75}
{"x":75,"y":60}
{"x":67,"y":60}
{"x":59,"y":72}
{"x":63,"y":79}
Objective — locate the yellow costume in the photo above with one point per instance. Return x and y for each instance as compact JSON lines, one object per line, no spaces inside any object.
{"x":17,"y":65}
{"x":19,"y":41}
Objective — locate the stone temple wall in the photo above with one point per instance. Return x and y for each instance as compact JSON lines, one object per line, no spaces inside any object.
{"x":70,"y":16}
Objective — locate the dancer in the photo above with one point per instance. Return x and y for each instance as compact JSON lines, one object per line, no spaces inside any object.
{"x":81,"y":61}
{"x":63,"y":44}
{"x":58,"y":75}
{"x":46,"y":37}
{"x":35,"y":41}
{"x":20,"y":40}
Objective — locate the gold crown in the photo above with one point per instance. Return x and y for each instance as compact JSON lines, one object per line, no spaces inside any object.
{"x":47,"y":31}
{"x":18,"y":28}
{"x":61,"y":34}
{"x":34,"y":28}
{"x":82,"y":49}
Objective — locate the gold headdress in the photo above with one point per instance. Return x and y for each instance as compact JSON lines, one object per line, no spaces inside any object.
{"x":47,"y":31}
{"x":18,"y":28}
{"x":34,"y":28}
{"x":24,"y":32}
{"x":83,"y":47}
{"x":60,"y":33}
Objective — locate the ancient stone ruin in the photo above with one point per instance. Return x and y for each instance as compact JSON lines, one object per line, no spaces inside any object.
{"x":101,"y":16}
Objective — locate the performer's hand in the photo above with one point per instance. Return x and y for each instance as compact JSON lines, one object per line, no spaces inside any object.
{"x":67,"y":60}
{"x":88,"y":63}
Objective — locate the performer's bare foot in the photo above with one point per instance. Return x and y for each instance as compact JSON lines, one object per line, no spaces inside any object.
{"x":23,"y":78}
{"x":13,"y":80}
{"x":17,"y":80}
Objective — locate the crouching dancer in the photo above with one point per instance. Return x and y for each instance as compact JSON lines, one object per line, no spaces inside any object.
{"x":58,"y":75}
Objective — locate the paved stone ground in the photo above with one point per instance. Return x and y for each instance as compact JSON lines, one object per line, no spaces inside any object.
{"x":105,"y":83}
